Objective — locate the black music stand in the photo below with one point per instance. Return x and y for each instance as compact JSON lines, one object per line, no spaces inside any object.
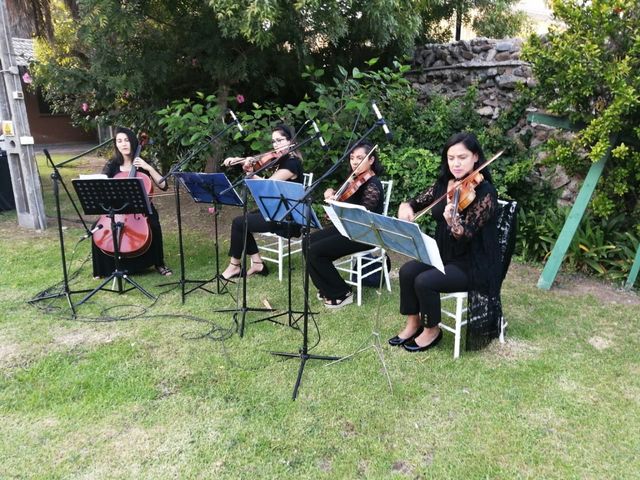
{"x":114,"y":196}
{"x":279,"y":201}
{"x":389,"y":233}
{"x":213,"y":188}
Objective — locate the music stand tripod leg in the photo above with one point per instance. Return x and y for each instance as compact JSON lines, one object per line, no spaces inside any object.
{"x":375,"y":333}
{"x":303,"y":353}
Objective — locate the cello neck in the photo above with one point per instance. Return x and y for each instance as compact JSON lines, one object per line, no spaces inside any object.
{"x":136,"y":154}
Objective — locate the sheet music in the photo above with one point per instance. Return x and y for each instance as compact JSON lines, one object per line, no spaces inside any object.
{"x":92,"y":176}
{"x":390,"y":233}
{"x":331,"y":213}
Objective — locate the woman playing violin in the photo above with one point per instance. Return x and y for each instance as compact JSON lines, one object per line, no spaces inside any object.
{"x":125,"y":144}
{"x":288,"y":168}
{"x":469,"y":249}
{"x":327,"y":245}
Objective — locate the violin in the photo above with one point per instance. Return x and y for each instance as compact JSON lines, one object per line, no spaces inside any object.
{"x":465,"y":193}
{"x":353,"y":185}
{"x":354,"y":181}
{"x":468,"y":183}
{"x":135,"y":234}
{"x":261,"y":159}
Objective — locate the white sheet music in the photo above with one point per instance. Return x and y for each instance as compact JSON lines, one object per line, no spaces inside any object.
{"x":92,"y":176}
{"x":394,"y":231}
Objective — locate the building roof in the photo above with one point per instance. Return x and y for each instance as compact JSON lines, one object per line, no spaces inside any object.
{"x":23,"y":51}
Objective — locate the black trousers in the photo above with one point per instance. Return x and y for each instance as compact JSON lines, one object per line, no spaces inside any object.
{"x":256,"y":224}
{"x":327,"y":245}
{"x":421,"y":286}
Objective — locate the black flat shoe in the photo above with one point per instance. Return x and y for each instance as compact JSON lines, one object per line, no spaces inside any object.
{"x":397,"y":341}
{"x":412,"y":346}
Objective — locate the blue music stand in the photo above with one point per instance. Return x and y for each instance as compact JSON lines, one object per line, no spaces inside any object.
{"x":387,"y":232}
{"x":213,"y":188}
{"x":280,"y":201}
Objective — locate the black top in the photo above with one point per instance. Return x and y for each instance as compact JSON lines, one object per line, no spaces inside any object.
{"x":478,"y":249}
{"x":292,"y":163}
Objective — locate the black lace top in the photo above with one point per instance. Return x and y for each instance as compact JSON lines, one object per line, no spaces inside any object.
{"x":370,"y":195}
{"x":478,"y":248}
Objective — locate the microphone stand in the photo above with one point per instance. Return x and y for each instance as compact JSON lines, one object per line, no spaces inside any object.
{"x":175,"y":168}
{"x":66,"y":290}
{"x":303,"y":353}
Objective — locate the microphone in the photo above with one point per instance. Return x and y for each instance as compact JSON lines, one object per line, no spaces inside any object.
{"x":319,"y":135}
{"x":91,"y":232}
{"x":385,"y":127}
{"x":237,"y":122}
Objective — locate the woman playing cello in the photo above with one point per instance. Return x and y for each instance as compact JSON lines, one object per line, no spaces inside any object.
{"x":468,"y":246}
{"x":328,"y":244}
{"x":125,"y":145}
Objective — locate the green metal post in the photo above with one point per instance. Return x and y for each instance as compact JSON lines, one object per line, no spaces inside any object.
{"x":573,"y":221}
{"x":633,"y":274}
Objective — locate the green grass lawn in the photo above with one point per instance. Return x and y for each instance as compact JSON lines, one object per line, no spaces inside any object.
{"x":137,"y":389}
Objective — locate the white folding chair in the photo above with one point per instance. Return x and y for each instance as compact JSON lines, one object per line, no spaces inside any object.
{"x":358,"y":265}
{"x":460,"y":298}
{"x":273,"y":247}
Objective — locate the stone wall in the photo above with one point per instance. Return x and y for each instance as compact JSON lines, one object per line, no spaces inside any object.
{"x":493,"y":66}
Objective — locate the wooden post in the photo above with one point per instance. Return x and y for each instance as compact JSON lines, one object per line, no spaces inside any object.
{"x":25,"y":178}
{"x":573,"y":221}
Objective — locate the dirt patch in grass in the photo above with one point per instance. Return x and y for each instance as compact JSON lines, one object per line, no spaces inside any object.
{"x":14,"y":354}
{"x":9,"y":352}
{"x":83,"y":337}
{"x":600,"y":343}
{"x":512,"y":350}
{"x":575,"y":285}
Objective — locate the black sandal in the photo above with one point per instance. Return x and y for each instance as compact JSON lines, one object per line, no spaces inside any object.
{"x":264,"y":272}
{"x":164,"y":270}
{"x":240,"y":272}
{"x":346,"y":299}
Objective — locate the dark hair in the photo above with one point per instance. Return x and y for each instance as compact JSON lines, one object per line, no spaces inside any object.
{"x":288,"y":133}
{"x":367,"y":146}
{"x":285,"y":130}
{"x":133,"y":141}
{"x":470,"y":141}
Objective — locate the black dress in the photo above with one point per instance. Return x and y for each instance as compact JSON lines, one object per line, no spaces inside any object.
{"x":328,"y":244}
{"x":104,"y":265}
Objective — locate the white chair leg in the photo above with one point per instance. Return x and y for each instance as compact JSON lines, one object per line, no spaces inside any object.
{"x":359,"y":279}
{"x":503,"y":327}
{"x":458,"y":327}
{"x":385,"y":271}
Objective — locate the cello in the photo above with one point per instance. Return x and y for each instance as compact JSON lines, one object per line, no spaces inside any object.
{"x":134,"y":233}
